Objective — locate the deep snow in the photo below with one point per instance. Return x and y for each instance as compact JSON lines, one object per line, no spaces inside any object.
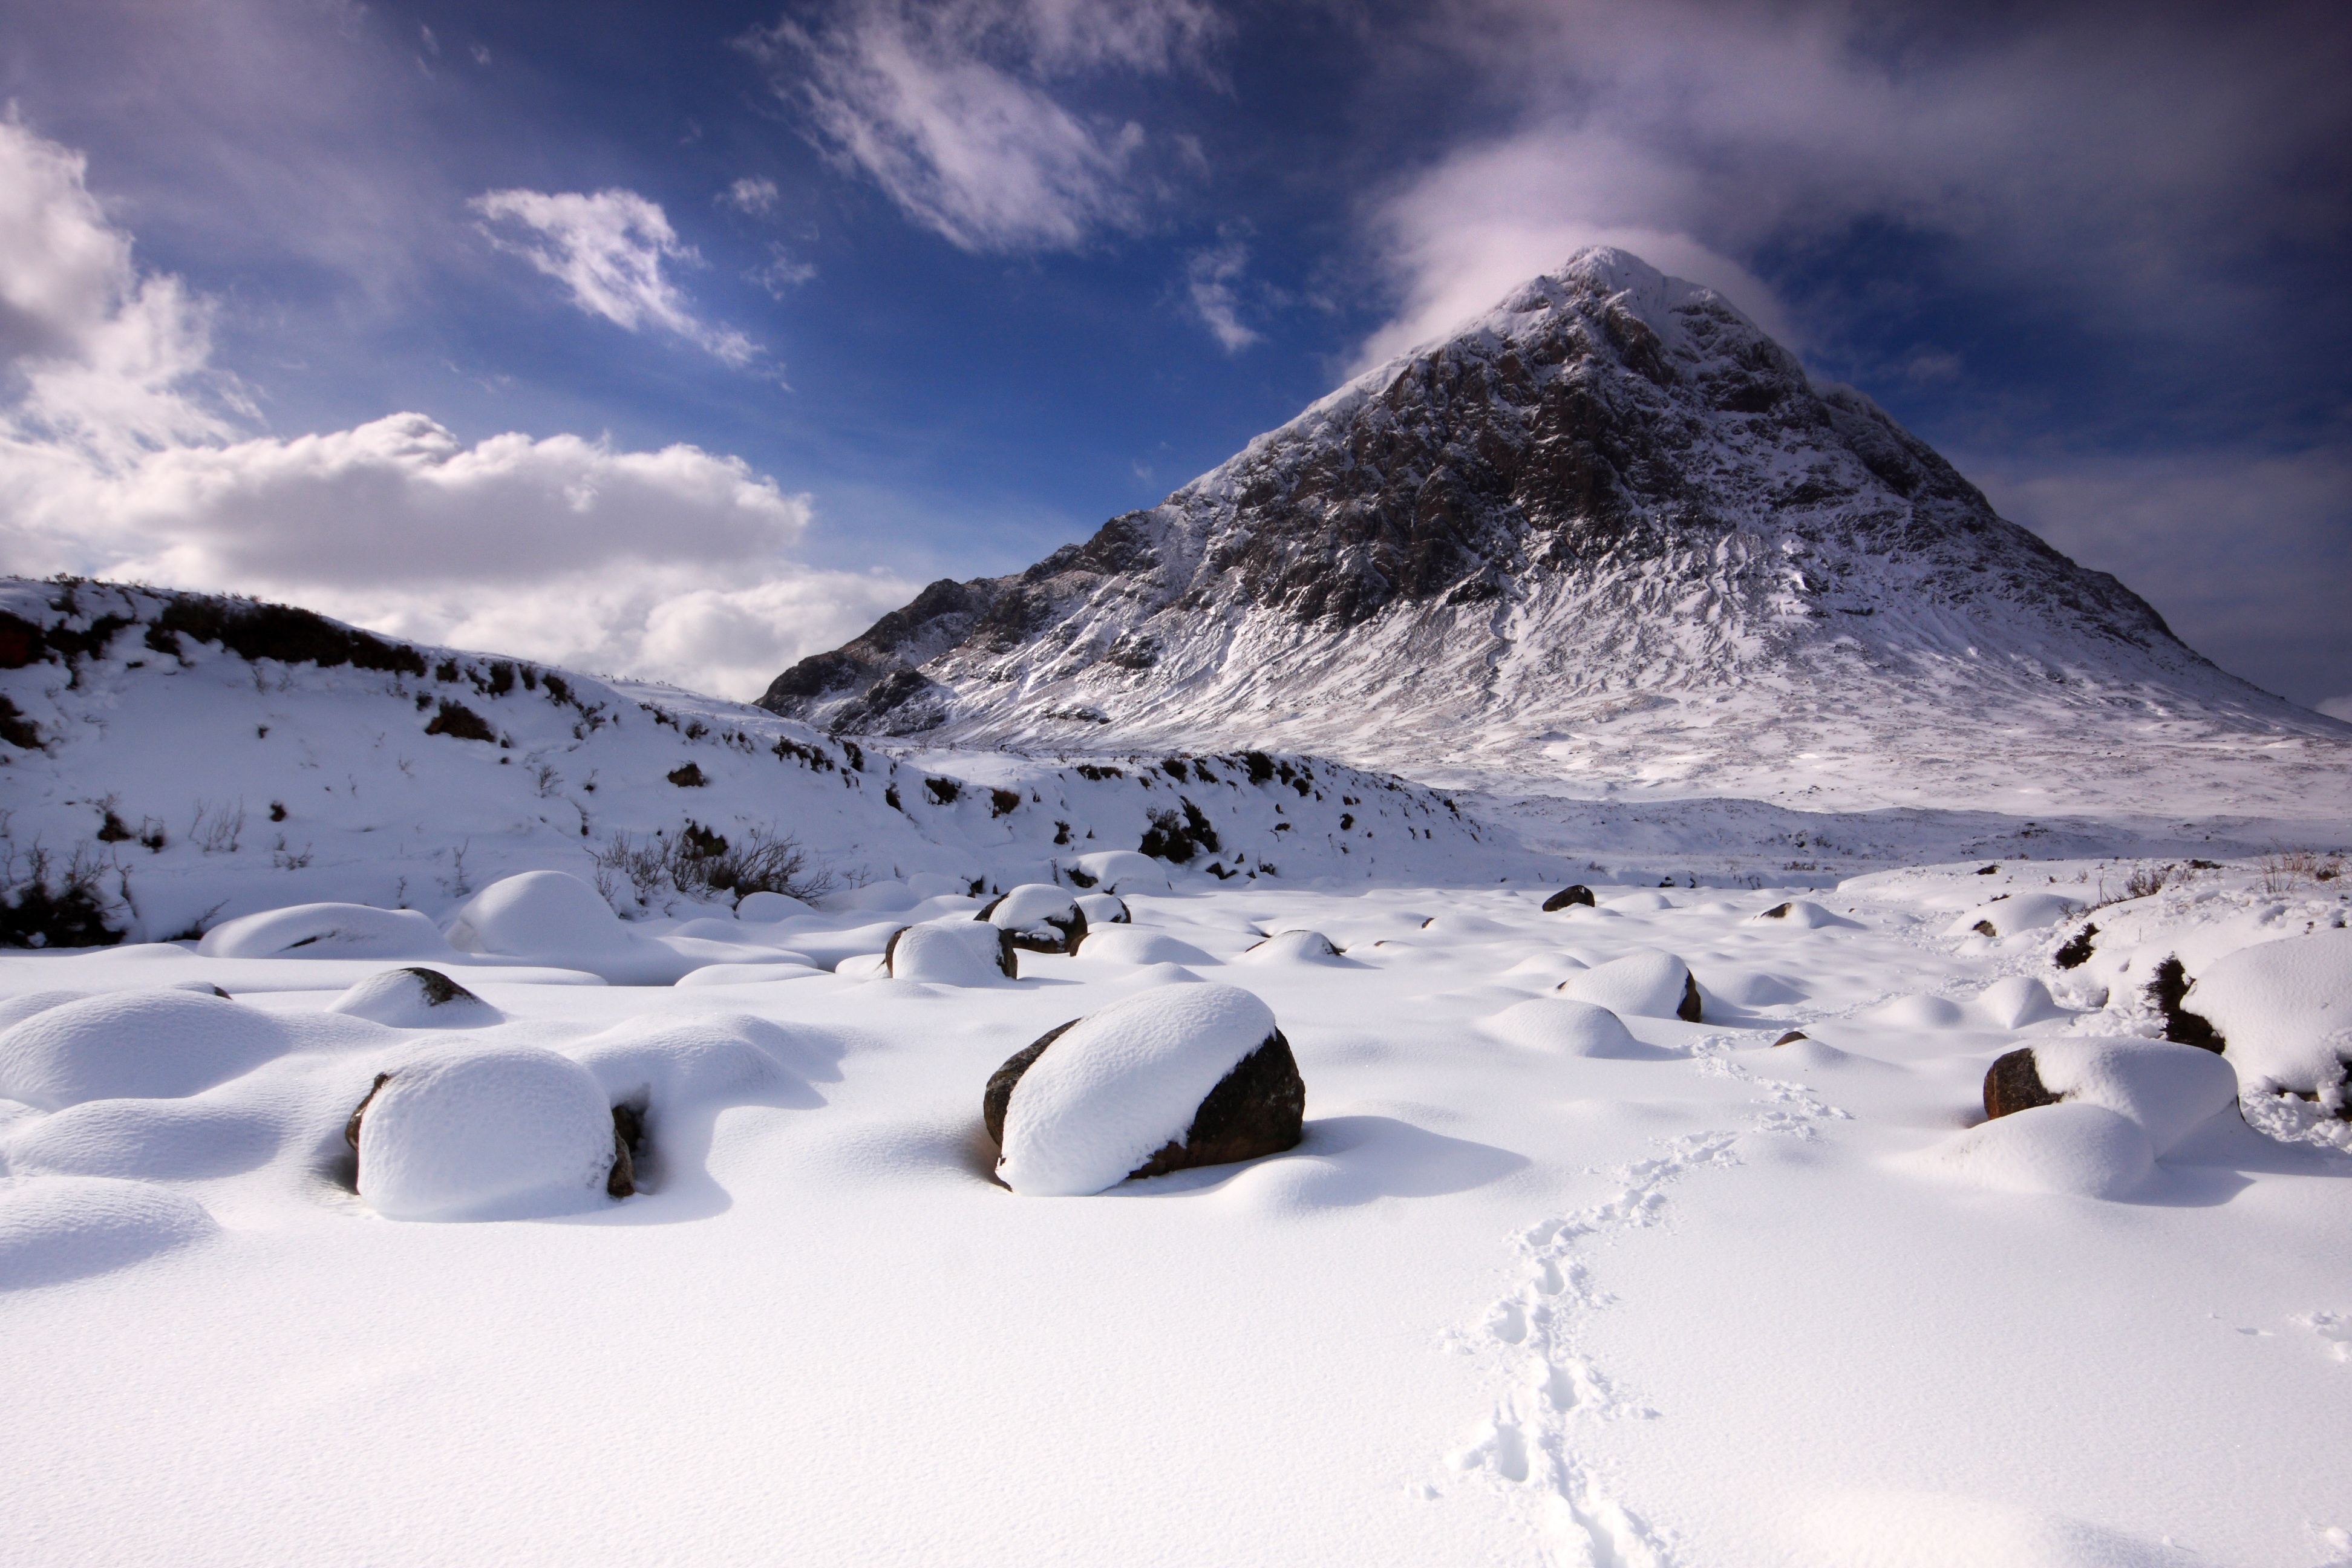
{"x":1533,"y":1288}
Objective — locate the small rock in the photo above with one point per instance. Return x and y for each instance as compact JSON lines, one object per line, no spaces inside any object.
{"x":1578,"y":894}
{"x":1984,"y":928}
{"x":1041,"y":917}
{"x":1777,"y":913}
{"x":1792,"y":1037}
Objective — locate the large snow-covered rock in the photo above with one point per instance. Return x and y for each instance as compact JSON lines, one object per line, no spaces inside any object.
{"x":2085,"y":1149}
{"x":1106,"y":1096}
{"x":486,"y":1131}
{"x":134,"y":1044}
{"x":1649,"y":984}
{"x":1565,"y":1028}
{"x":2286,"y":1010}
{"x":2166,"y":1090}
{"x":327,"y":931}
{"x":1040,"y":918}
{"x":953,"y":952}
{"x":1133,"y":945}
{"x":555,"y":918}
{"x":1293,"y":947}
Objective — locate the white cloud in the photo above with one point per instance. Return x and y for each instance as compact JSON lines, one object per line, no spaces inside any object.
{"x":113,"y":464}
{"x":608,"y":249}
{"x":782,"y":272}
{"x":1209,"y":277}
{"x":950,"y":107}
{"x":752,"y":197}
{"x":2121,"y":167}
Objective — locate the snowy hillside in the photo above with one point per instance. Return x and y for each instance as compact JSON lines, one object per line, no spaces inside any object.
{"x":191,"y":758}
{"x":1608,"y":536}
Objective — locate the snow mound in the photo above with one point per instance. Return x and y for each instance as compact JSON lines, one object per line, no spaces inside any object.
{"x":886,"y":898}
{"x":664,"y":1067}
{"x":1648,"y":985}
{"x":767,"y":909}
{"x":747,"y":974}
{"x":2285,"y":1009}
{"x":1753,"y":988}
{"x":327,"y":931}
{"x":2085,"y":1149}
{"x":1293,"y":947}
{"x":156,"y":1140}
{"x":553,"y":917}
{"x":950,"y":953}
{"x":143,"y":1045}
{"x":415,"y":999}
{"x":1104,"y":908}
{"x":55,"y":1229}
{"x":1648,"y":901}
{"x":1920,"y":1013}
{"x":1566,"y":1029}
{"x":1131,"y":944}
{"x":486,"y":1133}
{"x":1933,"y":1530}
{"x":2017,"y":1001}
{"x":2168,"y":1091}
{"x":1124,"y":871}
{"x":1801,"y":914}
{"x":2017,"y":913}
{"x":14,"y":1010}
{"x":1122,"y":1083}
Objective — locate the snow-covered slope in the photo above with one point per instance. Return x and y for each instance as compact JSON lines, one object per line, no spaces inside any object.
{"x":1608,"y":535}
{"x":201,"y":758}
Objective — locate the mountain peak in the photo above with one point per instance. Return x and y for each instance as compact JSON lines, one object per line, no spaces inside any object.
{"x":1612,"y":495}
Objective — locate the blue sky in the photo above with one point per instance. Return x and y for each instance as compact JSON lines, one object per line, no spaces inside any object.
{"x":721,"y":328}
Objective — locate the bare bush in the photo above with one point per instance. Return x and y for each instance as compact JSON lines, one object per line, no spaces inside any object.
{"x":2147,"y":882}
{"x":2291,"y":869}
{"x":697,"y":861}
{"x":49,"y":905}
{"x":216,"y":829}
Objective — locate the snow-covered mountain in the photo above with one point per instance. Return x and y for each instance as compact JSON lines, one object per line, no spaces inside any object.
{"x":183,"y":759}
{"x":1608,"y":535}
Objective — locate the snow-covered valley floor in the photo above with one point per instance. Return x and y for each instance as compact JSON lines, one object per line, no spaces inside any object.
{"x":1695,"y":1299}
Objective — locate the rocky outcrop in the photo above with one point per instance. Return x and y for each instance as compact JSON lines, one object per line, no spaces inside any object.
{"x":1570,"y":897}
{"x":2013,"y":1083}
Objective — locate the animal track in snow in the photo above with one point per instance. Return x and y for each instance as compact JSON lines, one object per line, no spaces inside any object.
{"x":1532,"y":1336}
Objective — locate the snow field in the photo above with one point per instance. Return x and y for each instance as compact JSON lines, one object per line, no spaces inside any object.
{"x":1710,"y":1301}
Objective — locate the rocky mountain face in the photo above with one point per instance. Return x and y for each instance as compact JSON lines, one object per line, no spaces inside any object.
{"x":1610,"y":528}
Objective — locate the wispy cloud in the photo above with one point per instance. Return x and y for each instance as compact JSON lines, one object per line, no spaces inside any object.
{"x":953,"y":108}
{"x":753,"y":195}
{"x":1701,"y":134}
{"x":1209,"y":277}
{"x":608,"y":249}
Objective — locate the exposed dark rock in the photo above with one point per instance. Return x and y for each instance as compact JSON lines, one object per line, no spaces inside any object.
{"x":1258,"y":1109}
{"x":1060,"y":932}
{"x":2168,"y":993}
{"x":439,"y":988}
{"x":2013,"y":1083}
{"x":1777,"y":913}
{"x":1987,"y":870}
{"x":628,"y":1142}
{"x":2077,"y":951}
{"x":1792,"y":1037}
{"x":690,"y":776}
{"x":352,"y":1126}
{"x":15,"y":729}
{"x":1578,"y":894}
{"x":1689,"y":1009}
{"x":1985,"y":927}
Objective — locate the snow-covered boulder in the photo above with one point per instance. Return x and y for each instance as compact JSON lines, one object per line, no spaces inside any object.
{"x":1564,"y":1027}
{"x":1104,"y":910}
{"x":1573,"y":895}
{"x":953,"y":952}
{"x":1119,"y":871}
{"x":480,"y":1132}
{"x":134,"y":1045}
{"x":2016,"y":1001}
{"x":417,"y":999}
{"x":2009,"y":916}
{"x":55,"y":1228}
{"x":327,"y":931}
{"x":2284,"y":1010}
{"x":1127,"y":944}
{"x":2166,"y":1090}
{"x":2081,"y":1149}
{"x":1169,"y":1077}
{"x":1802,"y":914}
{"x":555,"y":918}
{"x":146,"y":1140}
{"x":767,"y":909}
{"x":1293,"y":947}
{"x":1040,"y":917}
{"x":1647,"y":985}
